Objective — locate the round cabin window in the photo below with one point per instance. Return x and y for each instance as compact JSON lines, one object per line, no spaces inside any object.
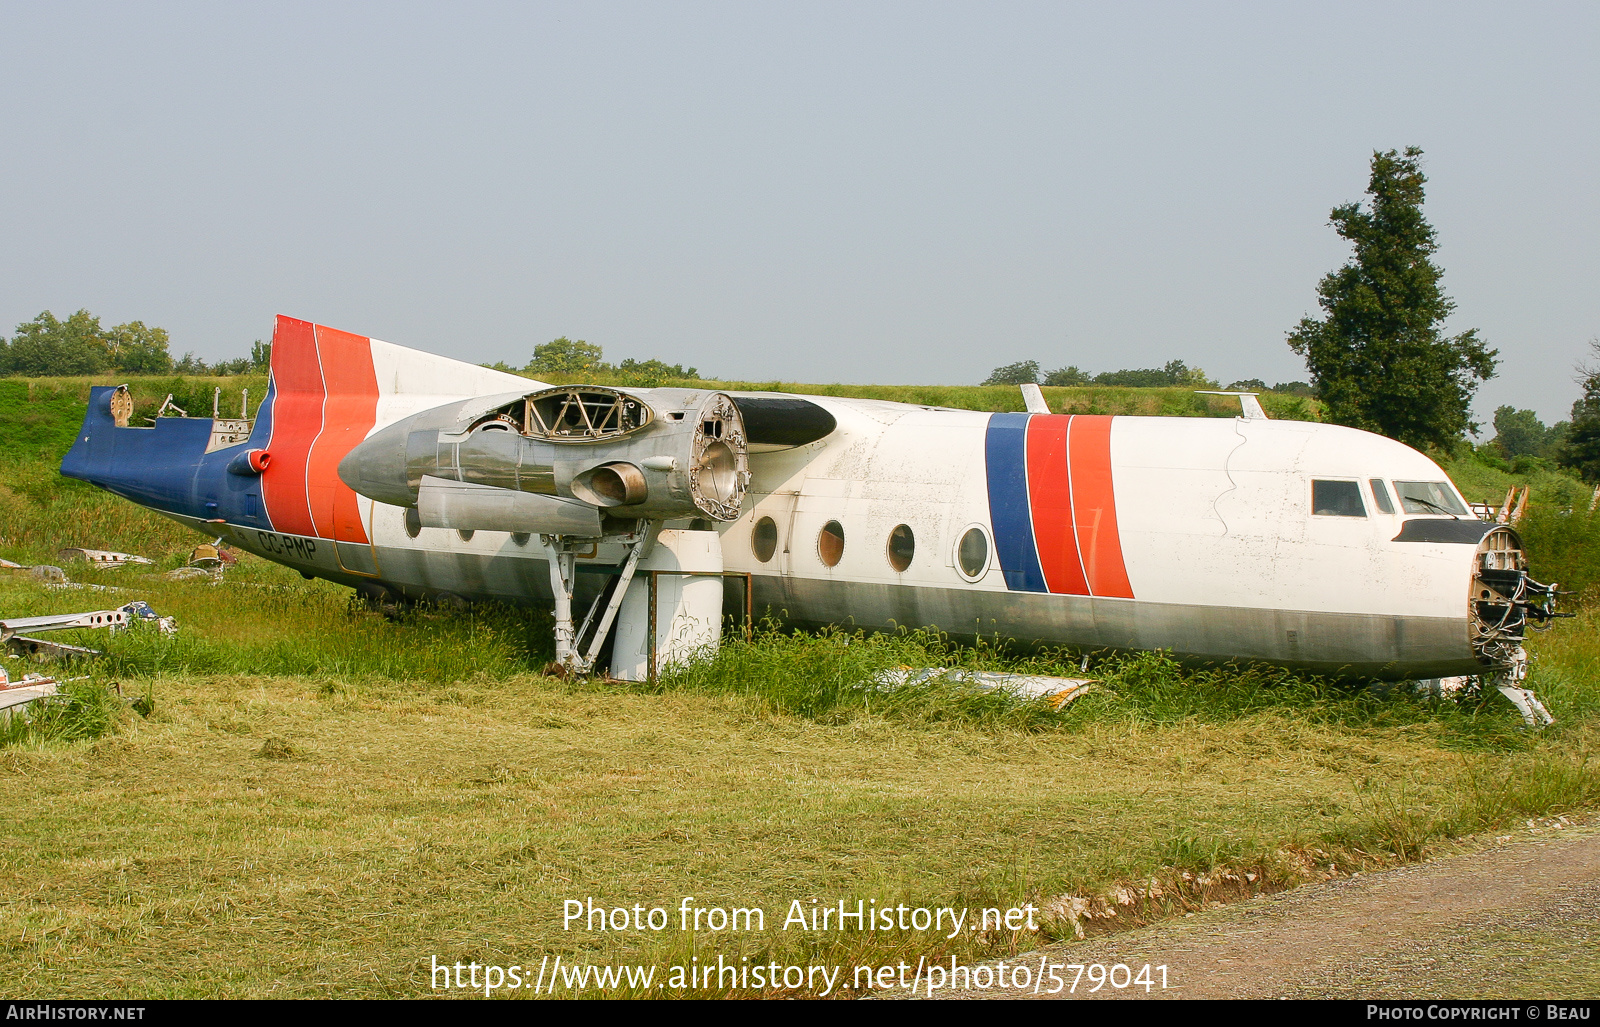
{"x":413,"y":522}
{"x":764,"y":539}
{"x":830,"y":544}
{"x":902,"y":546}
{"x":466,"y":536}
{"x":972,"y":554}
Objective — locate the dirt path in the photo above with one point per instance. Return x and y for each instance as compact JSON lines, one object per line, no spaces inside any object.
{"x":1520,"y":919}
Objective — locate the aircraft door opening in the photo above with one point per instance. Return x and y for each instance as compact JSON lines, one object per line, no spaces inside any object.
{"x":341,"y":517}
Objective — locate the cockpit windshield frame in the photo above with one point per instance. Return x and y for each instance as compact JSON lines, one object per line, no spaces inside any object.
{"x":1429,"y":497}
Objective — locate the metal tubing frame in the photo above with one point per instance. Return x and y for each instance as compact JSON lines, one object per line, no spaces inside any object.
{"x":617,"y":595}
{"x":749,"y":609}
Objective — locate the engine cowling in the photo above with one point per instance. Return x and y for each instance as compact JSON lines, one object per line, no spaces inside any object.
{"x":556,"y":460}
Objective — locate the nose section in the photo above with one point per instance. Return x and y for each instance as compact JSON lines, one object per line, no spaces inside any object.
{"x":377,"y":467}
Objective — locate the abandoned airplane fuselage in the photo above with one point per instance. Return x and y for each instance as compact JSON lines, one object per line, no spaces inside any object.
{"x":408,"y":474}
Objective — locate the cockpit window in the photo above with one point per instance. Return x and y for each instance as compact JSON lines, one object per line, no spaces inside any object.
{"x":1428,"y":497}
{"x":1337,"y":499}
{"x":1381,"y":494}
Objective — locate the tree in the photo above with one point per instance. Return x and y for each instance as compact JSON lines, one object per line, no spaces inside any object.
{"x":1519,"y":433}
{"x":191,"y":364}
{"x":565,"y":357}
{"x":261,"y":357}
{"x":1069,"y":375}
{"x":1580,"y":449}
{"x":136,"y":349}
{"x":1023,"y":372}
{"x":47,"y":346}
{"x":1377,"y":358}
{"x":652,"y":372}
{"x":1176,"y":374}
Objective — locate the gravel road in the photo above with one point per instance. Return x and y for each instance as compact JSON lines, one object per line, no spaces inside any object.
{"x":1517,"y":919}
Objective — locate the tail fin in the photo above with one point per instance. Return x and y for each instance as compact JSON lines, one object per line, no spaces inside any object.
{"x":329,"y":391}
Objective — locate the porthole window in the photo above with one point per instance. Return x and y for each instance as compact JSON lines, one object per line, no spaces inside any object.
{"x":902,"y":546}
{"x":764,"y":539}
{"x":972,"y":553}
{"x":830,"y":544}
{"x":413,"y":522}
{"x":466,"y":536}
{"x":520,"y":537}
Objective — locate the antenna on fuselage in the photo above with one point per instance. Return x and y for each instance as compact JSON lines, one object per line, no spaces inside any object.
{"x":1247,"y":400}
{"x":1033,"y":399}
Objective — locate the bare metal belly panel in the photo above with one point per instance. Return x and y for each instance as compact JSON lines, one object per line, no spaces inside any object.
{"x":1343,"y":644}
{"x":1359,"y":645}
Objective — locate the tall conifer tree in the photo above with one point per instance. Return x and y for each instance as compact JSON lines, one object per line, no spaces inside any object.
{"x":1377,"y":358}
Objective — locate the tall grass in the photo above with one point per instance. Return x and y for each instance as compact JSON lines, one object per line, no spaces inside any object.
{"x":1395,"y":816}
{"x":1564,"y":547}
{"x":1483,"y":479}
{"x":835,"y":676}
{"x":332,"y":640}
{"x":832,"y":677}
{"x":79,"y":710}
{"x":240,"y":627}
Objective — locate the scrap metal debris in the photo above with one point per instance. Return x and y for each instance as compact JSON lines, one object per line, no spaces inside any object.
{"x":1057,"y":691}
{"x":16,"y":694}
{"x":212,"y":556}
{"x":102,"y":558}
{"x":12,"y":629}
{"x":41,"y":572}
{"x":1508,"y":683}
{"x":1532,"y":710}
{"x":206,"y":563}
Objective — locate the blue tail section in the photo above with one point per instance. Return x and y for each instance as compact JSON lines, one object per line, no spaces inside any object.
{"x":167,"y":467}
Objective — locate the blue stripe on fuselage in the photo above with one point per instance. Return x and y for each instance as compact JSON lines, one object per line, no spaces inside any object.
{"x":1005,"y":455}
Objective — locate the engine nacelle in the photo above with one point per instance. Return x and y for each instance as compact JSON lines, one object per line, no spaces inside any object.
{"x":572,"y":452}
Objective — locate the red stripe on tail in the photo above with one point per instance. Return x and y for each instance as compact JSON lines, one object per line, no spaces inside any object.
{"x":296,"y":422}
{"x":348,"y":413}
{"x":325,"y":400}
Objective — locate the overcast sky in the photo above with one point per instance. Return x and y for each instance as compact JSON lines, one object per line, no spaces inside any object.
{"x":856,"y":192}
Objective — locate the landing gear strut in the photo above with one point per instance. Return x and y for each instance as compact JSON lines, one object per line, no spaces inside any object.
{"x":562,"y":553}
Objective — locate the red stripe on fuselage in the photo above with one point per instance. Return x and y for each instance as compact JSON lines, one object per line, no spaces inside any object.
{"x":1094,"y":506}
{"x":296,"y":423}
{"x":1050,"y":500}
{"x":348,"y":413}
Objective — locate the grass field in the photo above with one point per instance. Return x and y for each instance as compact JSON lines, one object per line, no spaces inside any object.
{"x":321,"y":801}
{"x":327,"y":829}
